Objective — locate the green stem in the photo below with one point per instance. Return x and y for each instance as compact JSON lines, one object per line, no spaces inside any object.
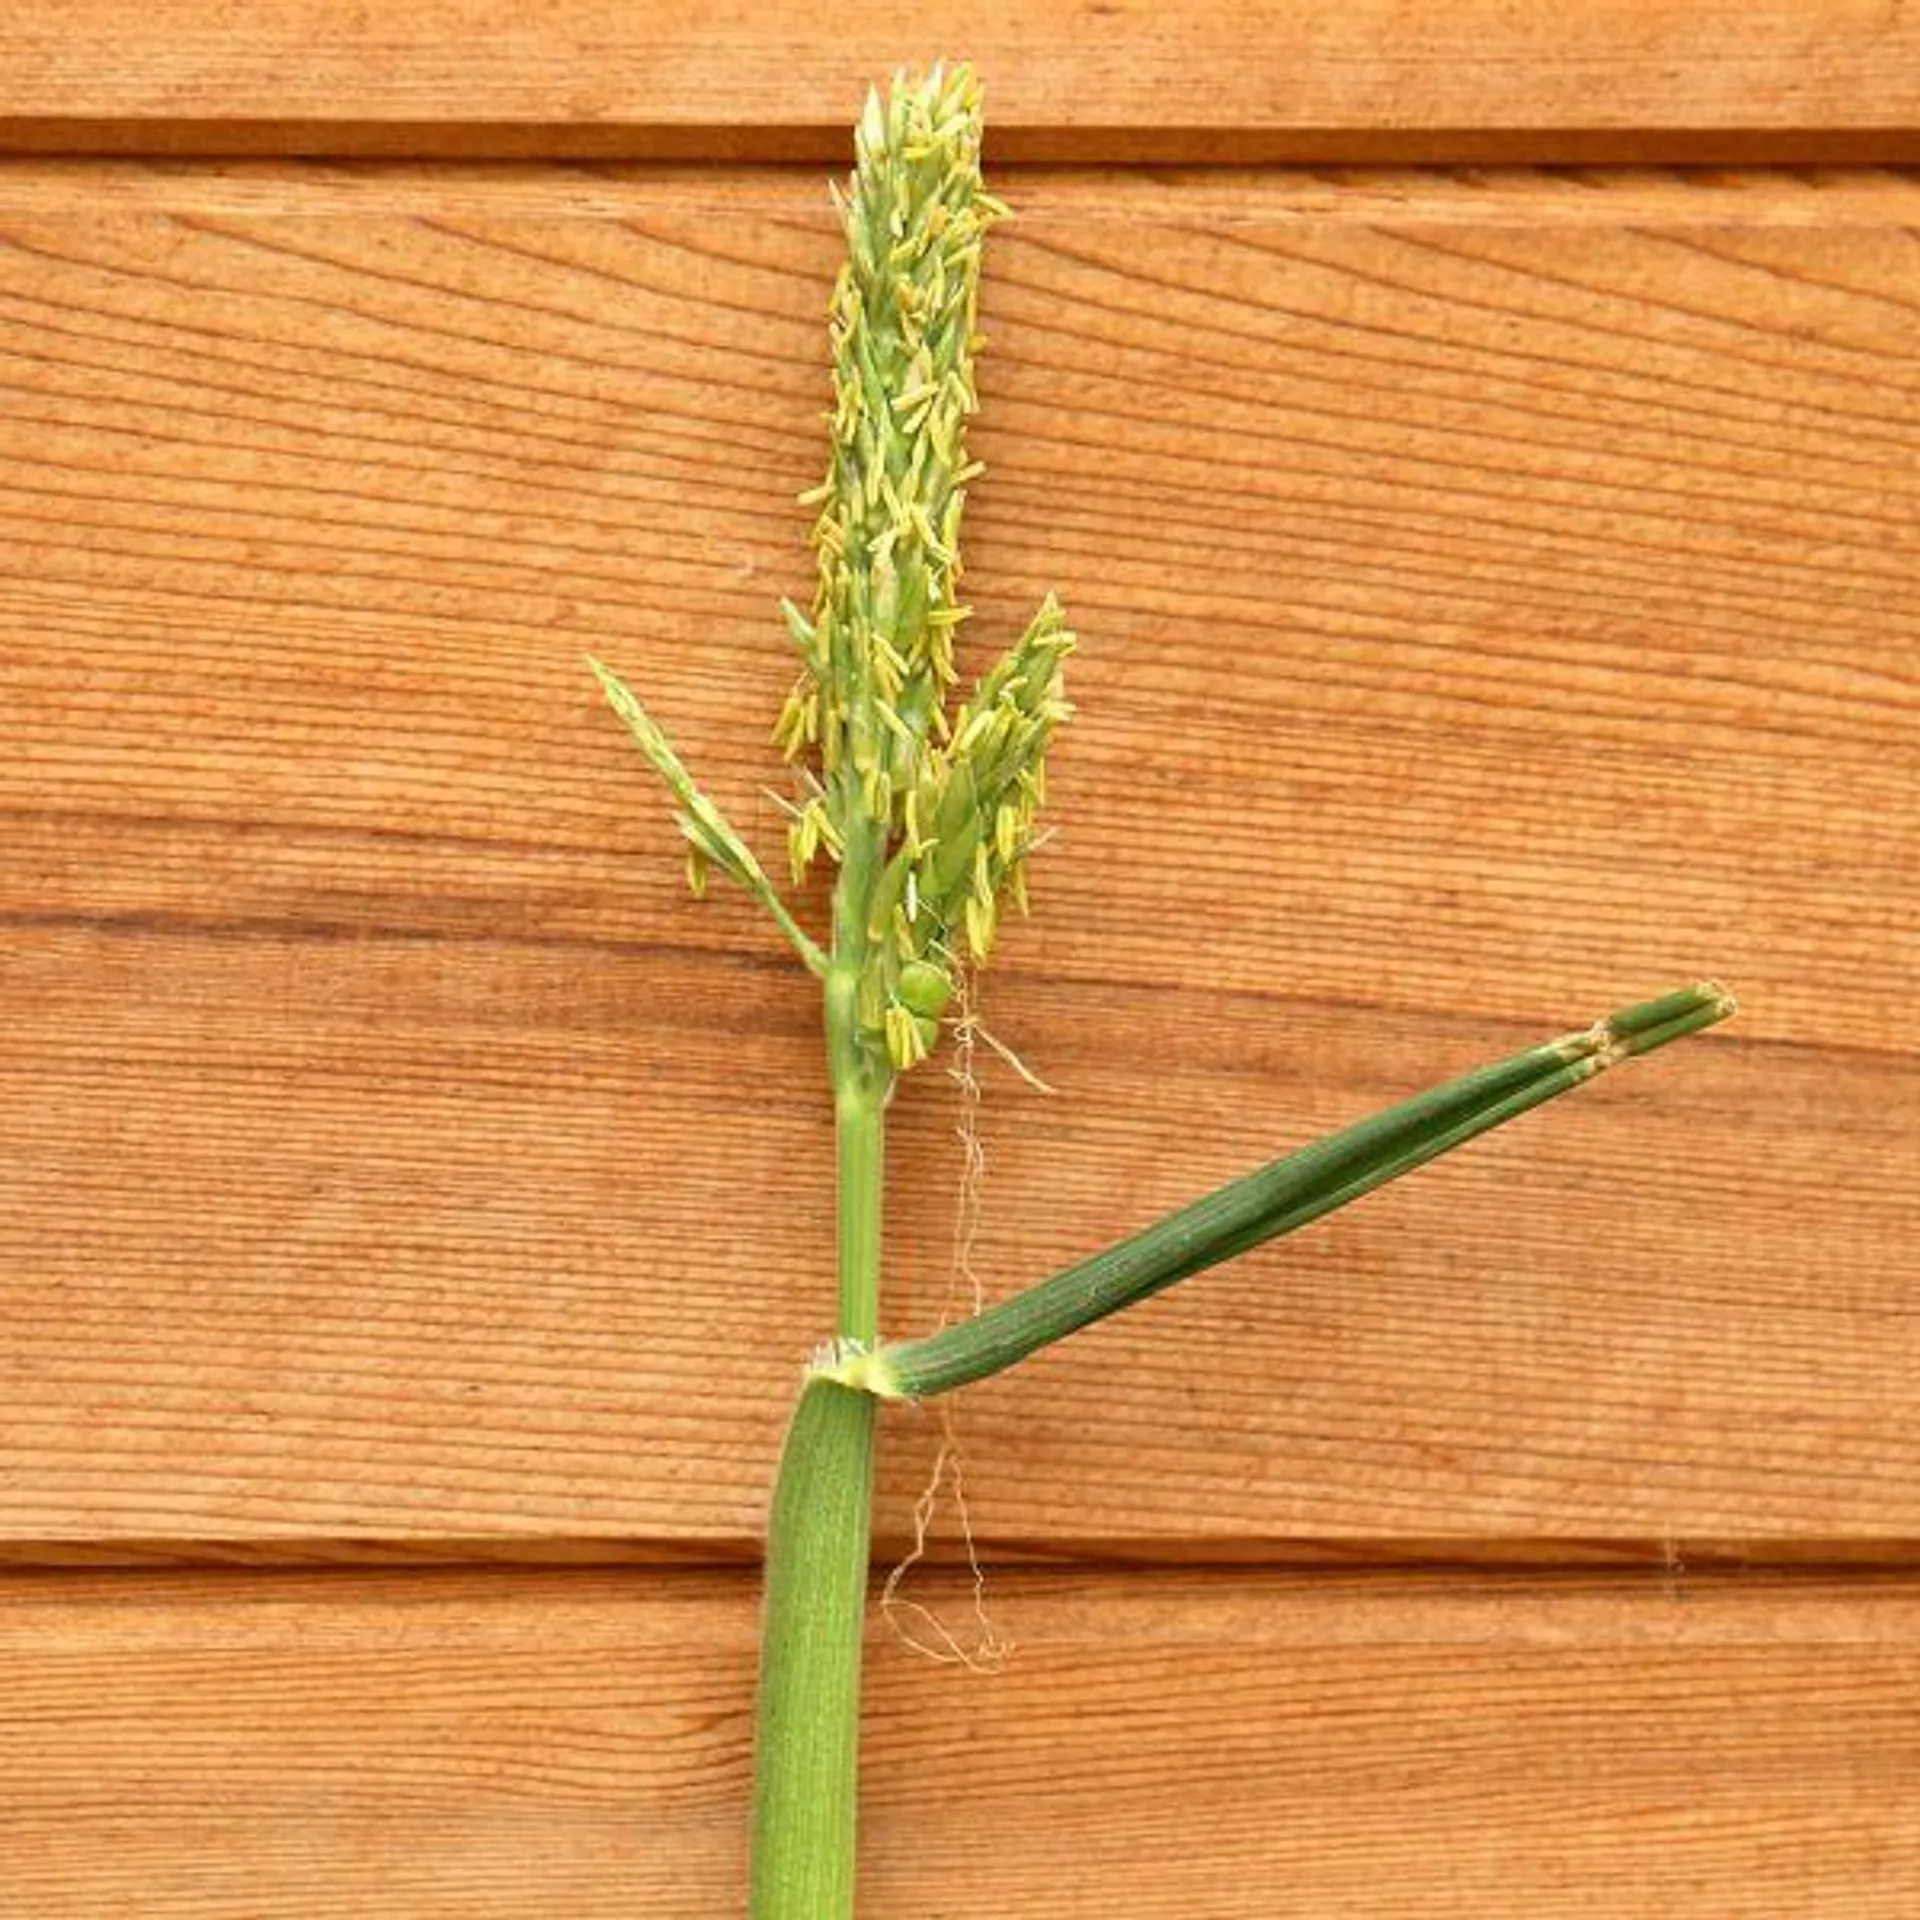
{"x":806,"y":1771}
{"x":806,"y":1777}
{"x":860,"y":1144}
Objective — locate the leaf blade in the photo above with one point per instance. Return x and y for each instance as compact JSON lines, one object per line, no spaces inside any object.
{"x":1277,"y":1199}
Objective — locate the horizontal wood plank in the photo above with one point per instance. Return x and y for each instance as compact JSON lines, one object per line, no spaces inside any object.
{"x":505,"y":1743}
{"x":1498,"y":601}
{"x":1085,"y":80}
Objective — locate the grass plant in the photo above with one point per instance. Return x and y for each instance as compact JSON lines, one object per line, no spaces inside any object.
{"x":926,"y":805}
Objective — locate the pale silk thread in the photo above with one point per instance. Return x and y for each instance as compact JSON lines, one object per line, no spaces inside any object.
{"x":914,"y":1623}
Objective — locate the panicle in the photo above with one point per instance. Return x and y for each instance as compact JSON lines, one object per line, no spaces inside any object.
{"x":940,"y":809}
{"x":930,"y":817}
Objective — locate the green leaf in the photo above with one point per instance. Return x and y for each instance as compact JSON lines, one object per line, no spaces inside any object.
{"x":1278,"y":1199}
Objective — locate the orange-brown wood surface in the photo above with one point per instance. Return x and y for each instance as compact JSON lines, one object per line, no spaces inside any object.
{"x":1498,"y":602}
{"x":1071,"y":79}
{"x":1178,"y":1747}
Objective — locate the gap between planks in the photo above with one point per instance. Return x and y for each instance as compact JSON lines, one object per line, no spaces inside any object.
{"x":1825,"y":193}
{"x":1278,"y":1557}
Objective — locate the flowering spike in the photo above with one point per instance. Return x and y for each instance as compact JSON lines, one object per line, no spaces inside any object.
{"x":928,"y":814}
{"x":934,"y":812}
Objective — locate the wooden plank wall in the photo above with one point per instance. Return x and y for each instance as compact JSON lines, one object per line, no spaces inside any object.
{"x":1497,"y":589}
{"x":1103,"y":81}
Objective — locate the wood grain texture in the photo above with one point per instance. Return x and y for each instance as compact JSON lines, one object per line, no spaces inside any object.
{"x":1498,"y":600}
{"x":1082,"y":80}
{"x":512,"y":1743}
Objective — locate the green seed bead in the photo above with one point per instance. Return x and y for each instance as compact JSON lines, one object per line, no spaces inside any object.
{"x":924,"y":989}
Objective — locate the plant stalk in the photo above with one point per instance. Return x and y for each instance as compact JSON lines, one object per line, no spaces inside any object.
{"x":807,"y":1757}
{"x":860,"y":1149}
{"x":807,"y":1765}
